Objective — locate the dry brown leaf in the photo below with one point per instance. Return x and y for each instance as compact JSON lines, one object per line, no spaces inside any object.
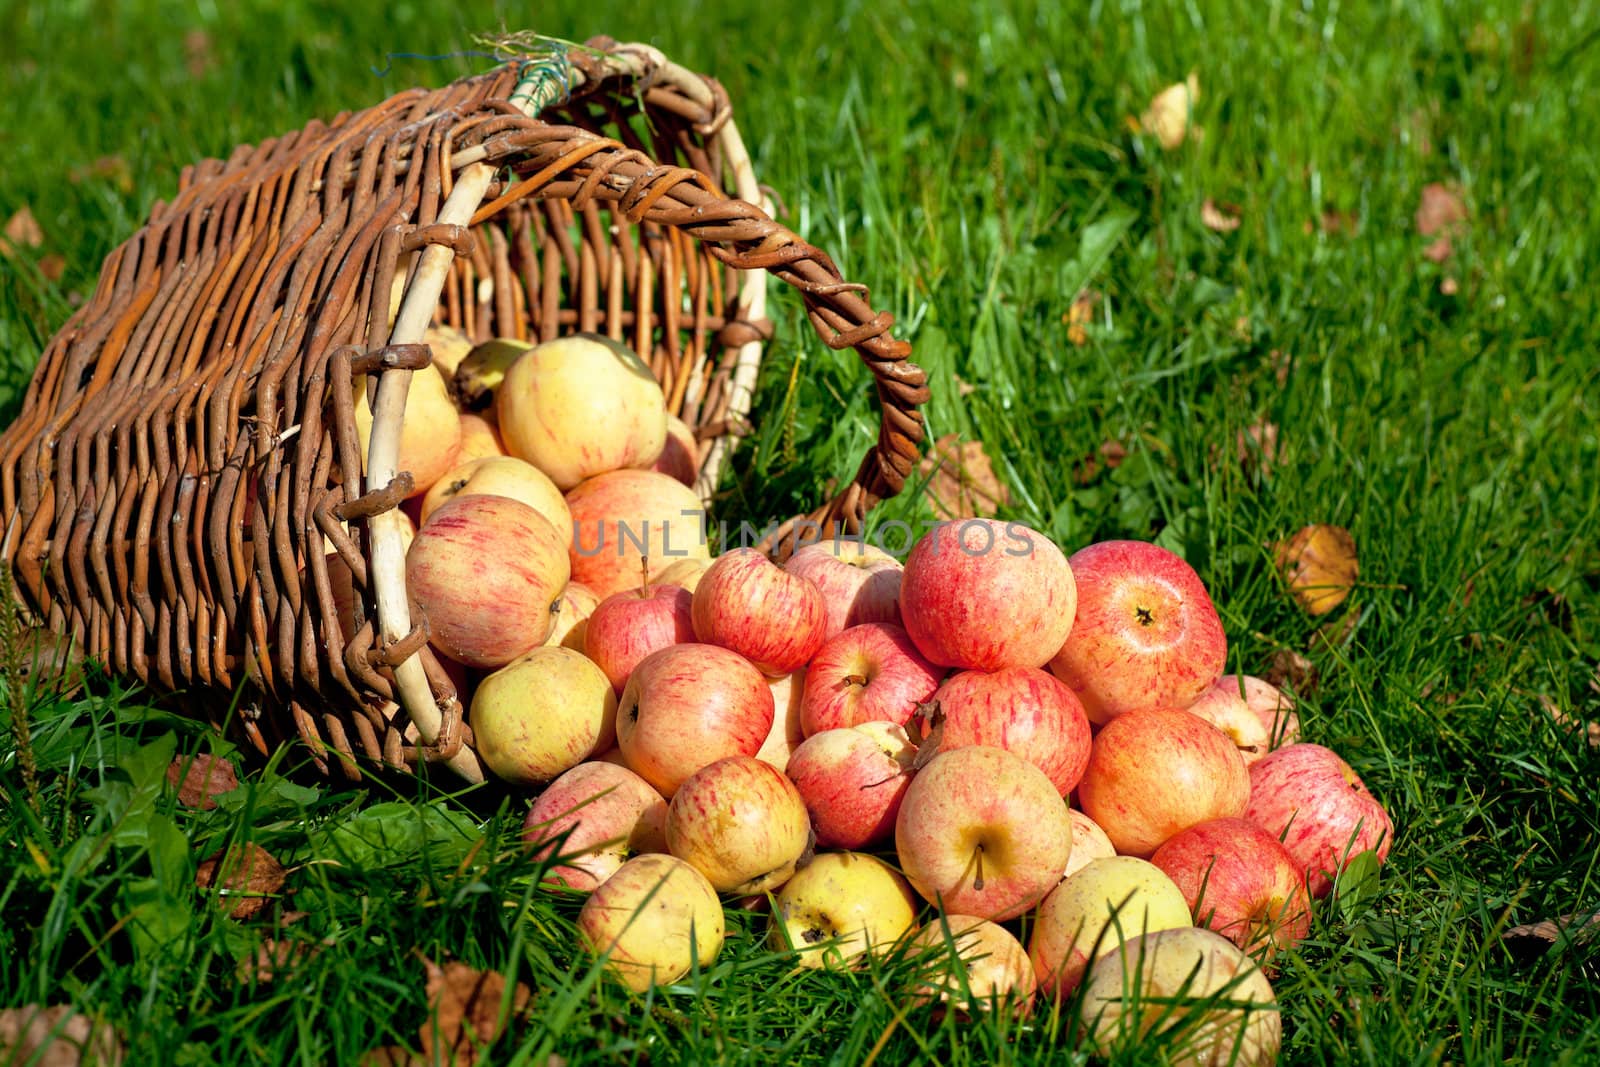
{"x":273,"y":958}
{"x":1289,"y":668}
{"x":1223,"y":218}
{"x":1170,"y":111}
{"x":464,"y":1010}
{"x":53,"y":266}
{"x":22,"y":229}
{"x":1079,"y":315}
{"x":1340,"y":222}
{"x":963,"y":388}
{"x":113,"y":169}
{"x":1578,"y":929}
{"x":1257,"y":447}
{"x":246,"y":875}
{"x":960,"y":480}
{"x":1319,"y":565}
{"x":1567,"y":721}
{"x":56,"y":1037}
{"x":199,"y":781}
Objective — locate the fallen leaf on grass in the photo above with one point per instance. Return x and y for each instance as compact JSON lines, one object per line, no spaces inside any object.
{"x":113,"y":169}
{"x":1170,"y":111}
{"x":1570,"y":722}
{"x":199,"y":781}
{"x":960,"y":480}
{"x":1287,"y":667}
{"x":1441,"y":210}
{"x":272,"y":959}
{"x":247,"y":874}
{"x":55,"y":1037}
{"x":1079,"y":315}
{"x":1319,"y":565}
{"x":22,"y":229}
{"x":1335,"y":635}
{"x":1280,"y":361}
{"x":464,"y":1010}
{"x":197,"y":52}
{"x":1223,"y":218}
{"x":1438,"y":251}
{"x":1538,"y":937}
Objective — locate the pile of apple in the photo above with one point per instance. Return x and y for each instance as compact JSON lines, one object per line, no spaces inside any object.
{"x":989,"y":744}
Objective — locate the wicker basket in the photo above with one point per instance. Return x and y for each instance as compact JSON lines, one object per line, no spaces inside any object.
{"x":189,"y":438}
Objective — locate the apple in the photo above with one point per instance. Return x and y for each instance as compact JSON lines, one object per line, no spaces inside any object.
{"x":1241,"y":882}
{"x":841,"y":906}
{"x":1224,"y":708}
{"x":542,"y":714}
{"x":580,"y":406}
{"x":684,"y":572}
{"x":1146,"y":634}
{"x":1093,"y":911}
{"x":739,"y":822}
{"x":486,"y":575}
{"x":982,"y":832}
{"x":985,"y":594}
{"x":479,"y":439}
{"x":867,"y":673}
{"x":449,"y":346}
{"x":1023,"y":710}
{"x":859,"y":582}
{"x":654,"y":920}
{"x":749,"y":604}
{"x":853,"y":781}
{"x":1188,"y":996}
{"x":503,"y":476}
{"x":624,"y":516}
{"x":785,"y":735}
{"x":1272,"y":706}
{"x":1154,"y":773}
{"x":1089,"y":843}
{"x":626,"y":627}
{"x":971,"y":964}
{"x":593,"y":816}
{"x":1309,"y":798}
{"x":430,"y":430}
{"x":689,"y":705}
{"x":680,"y":453}
{"x":577,"y":602}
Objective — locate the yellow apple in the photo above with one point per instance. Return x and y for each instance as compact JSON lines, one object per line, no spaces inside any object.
{"x":841,"y":905}
{"x":430,"y":433}
{"x":654,"y":920}
{"x":541,"y":715}
{"x":503,"y":476}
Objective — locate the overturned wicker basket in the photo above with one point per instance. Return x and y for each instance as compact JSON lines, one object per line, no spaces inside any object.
{"x":189,"y":438}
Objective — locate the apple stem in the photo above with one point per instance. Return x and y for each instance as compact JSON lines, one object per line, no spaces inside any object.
{"x":855,"y":679}
{"x":644,"y":577}
{"x":977,"y":883}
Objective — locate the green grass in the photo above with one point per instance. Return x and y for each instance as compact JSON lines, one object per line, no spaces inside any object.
{"x":974,"y":165}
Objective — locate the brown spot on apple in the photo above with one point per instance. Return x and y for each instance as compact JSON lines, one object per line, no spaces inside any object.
{"x":811,"y":935}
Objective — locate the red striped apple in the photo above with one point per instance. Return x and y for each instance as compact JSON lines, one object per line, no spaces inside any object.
{"x":680,"y":453}
{"x":486,"y":574}
{"x":1105,"y":903}
{"x":1312,"y":800}
{"x":1240,"y":882}
{"x":982,"y":832}
{"x":868,"y":673}
{"x":859,"y":582}
{"x":1146,"y":634}
{"x":749,"y":604}
{"x":689,"y":705}
{"x":503,"y":476}
{"x":1023,"y":710}
{"x":853,"y":781}
{"x":983,"y":594}
{"x":740,"y":823}
{"x":624,"y":516}
{"x":593,"y":817}
{"x":626,"y":627}
{"x":1152,"y":774}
